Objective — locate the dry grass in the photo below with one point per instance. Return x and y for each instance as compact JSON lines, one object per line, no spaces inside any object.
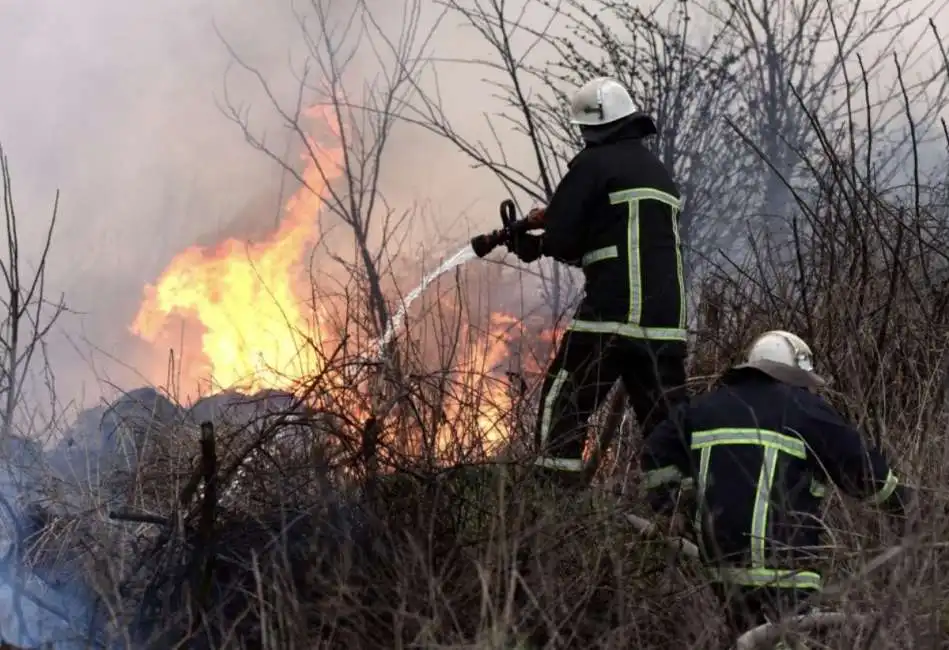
{"x":331,"y":535}
{"x":348,"y":525}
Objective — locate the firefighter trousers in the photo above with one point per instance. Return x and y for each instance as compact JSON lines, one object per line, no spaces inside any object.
{"x":581,"y":375}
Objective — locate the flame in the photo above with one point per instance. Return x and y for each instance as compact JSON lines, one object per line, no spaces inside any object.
{"x":259,"y":332}
{"x":477,"y":372}
{"x":485,"y":394}
{"x":246,"y":296}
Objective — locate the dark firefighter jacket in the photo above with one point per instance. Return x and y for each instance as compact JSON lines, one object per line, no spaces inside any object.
{"x":615,"y":214}
{"x":760,"y":453}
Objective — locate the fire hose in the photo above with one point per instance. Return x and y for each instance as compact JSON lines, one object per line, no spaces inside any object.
{"x":764,"y":636}
{"x":511,"y":226}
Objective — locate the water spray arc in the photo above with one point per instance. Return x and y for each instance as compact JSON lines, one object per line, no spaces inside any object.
{"x":479,"y":247}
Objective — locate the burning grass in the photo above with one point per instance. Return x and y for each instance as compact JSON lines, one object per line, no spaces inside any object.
{"x":331,"y":530}
{"x":385,"y":504}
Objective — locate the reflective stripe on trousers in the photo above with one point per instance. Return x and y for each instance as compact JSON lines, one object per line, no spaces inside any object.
{"x":599,"y":255}
{"x":763,"y":577}
{"x":562,"y":464}
{"x":885,"y":492}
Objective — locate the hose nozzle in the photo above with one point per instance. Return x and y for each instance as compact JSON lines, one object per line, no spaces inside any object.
{"x":484,"y":244}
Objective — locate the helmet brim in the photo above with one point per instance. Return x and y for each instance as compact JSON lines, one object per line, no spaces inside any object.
{"x":649,"y":124}
{"x":594,"y":122}
{"x":785,"y":373}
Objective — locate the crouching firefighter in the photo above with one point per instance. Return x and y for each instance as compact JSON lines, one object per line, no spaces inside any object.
{"x":614,"y":214}
{"x":760,"y":448}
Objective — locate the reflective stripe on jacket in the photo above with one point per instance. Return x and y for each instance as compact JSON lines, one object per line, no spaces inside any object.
{"x":615,"y":213}
{"x":760,"y":453}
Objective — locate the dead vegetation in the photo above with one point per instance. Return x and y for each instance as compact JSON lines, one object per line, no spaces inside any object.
{"x":281,"y":535}
{"x":363,"y":514}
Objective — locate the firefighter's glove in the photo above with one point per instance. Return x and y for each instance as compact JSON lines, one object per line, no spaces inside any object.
{"x":536,"y":217}
{"x":526,"y":246}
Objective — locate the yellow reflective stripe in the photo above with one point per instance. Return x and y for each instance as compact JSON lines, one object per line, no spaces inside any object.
{"x":701,"y":485}
{"x":772,"y":443}
{"x":633,"y":197}
{"x":645,"y":194}
{"x":759,"y":520}
{"x":564,"y":464}
{"x":549,"y":402}
{"x":885,"y":492}
{"x":662,"y":476}
{"x":680,"y":267}
{"x":791,"y":445}
{"x":600,"y":254}
{"x":635,"y":264}
{"x":630,"y":330}
{"x":764,"y":577}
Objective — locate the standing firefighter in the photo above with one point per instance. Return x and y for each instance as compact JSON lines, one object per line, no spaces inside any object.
{"x":614,"y":214}
{"x":760,"y":448}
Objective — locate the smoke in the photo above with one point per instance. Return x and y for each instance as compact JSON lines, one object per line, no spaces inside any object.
{"x":119,"y":107}
{"x":114,"y":105}
{"x":33,"y":610}
{"x":117,"y":104}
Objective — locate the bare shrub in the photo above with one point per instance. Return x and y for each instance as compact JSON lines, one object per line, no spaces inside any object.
{"x":365,"y":511}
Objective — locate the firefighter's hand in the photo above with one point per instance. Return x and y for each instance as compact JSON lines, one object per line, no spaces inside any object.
{"x":527,"y":247}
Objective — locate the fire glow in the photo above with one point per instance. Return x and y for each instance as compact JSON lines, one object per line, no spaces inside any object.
{"x":247,"y":296}
{"x":250,"y":302}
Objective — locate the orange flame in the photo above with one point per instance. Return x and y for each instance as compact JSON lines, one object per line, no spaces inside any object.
{"x":246,"y":295}
{"x":257,"y":330}
{"x":484,"y":396}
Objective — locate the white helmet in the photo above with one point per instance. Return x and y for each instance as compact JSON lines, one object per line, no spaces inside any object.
{"x":601,"y":101}
{"x":785,"y":357}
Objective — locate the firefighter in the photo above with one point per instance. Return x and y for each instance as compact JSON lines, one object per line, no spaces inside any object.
{"x":759,"y":450}
{"x":615,"y":215}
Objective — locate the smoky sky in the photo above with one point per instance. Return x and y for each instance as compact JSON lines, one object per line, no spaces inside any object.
{"x":114,"y":104}
{"x":118,"y":105}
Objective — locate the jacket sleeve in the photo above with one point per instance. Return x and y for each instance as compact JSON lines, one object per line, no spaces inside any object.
{"x":565,"y":218}
{"x":666,"y":460}
{"x":844,"y":457}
